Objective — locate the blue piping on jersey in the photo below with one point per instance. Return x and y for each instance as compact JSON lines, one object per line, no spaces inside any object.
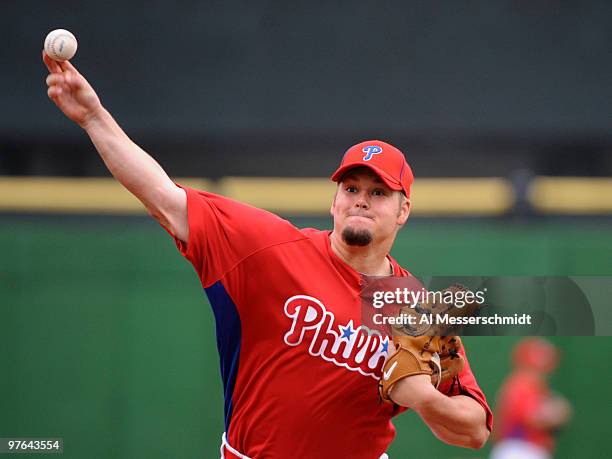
{"x":229,"y":336}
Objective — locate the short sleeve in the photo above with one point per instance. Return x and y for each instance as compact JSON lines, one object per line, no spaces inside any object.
{"x":466,"y":384}
{"x":223,"y":232}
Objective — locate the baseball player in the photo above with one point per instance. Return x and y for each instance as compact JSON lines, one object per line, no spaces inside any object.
{"x":300,"y":374}
{"x":528,"y":413}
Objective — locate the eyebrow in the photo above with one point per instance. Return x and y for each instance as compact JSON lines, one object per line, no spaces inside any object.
{"x":349,"y":176}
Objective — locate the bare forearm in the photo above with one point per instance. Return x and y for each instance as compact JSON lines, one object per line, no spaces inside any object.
{"x":459,"y":420}
{"x":134,"y":168}
{"x":130,"y":165}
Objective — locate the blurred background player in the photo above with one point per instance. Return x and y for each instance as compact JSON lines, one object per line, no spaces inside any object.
{"x":527,"y":413}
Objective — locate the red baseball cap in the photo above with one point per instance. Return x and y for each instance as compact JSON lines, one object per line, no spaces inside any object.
{"x":387,"y":161}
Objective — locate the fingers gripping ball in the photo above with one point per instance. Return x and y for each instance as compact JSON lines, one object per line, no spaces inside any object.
{"x":60,"y":45}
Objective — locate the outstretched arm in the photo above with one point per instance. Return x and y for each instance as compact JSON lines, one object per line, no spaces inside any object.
{"x":458,"y":420}
{"x":129,"y":164}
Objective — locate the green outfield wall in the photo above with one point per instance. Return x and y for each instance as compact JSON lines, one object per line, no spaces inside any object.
{"x":107,"y":340}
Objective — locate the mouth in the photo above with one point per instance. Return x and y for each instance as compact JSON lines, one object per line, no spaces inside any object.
{"x":363,"y":217}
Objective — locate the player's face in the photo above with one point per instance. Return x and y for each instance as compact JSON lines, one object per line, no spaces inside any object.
{"x":365,"y":210}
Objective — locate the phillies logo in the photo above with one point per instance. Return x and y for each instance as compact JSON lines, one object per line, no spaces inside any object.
{"x":351,"y":348}
{"x":370,"y":151}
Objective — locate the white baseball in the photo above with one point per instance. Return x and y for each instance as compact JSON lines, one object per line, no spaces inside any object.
{"x":60,"y":45}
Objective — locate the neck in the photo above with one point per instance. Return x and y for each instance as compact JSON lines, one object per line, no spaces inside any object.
{"x":370,"y":260}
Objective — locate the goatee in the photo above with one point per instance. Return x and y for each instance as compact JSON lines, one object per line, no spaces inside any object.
{"x":359,"y":238}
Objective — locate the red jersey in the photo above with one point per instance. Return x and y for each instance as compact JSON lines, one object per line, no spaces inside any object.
{"x":520,"y":396}
{"x":299,"y":372}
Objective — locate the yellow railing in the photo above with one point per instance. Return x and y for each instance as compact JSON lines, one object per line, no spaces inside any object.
{"x":313,"y":196}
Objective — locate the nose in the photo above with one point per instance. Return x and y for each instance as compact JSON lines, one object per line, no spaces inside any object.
{"x":362,"y":201}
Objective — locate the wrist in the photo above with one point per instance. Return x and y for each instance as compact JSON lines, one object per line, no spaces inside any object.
{"x":415,"y":392}
{"x":93,"y":118}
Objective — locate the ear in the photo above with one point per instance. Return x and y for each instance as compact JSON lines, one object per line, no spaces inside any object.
{"x":333,"y":204}
{"x":404,"y":212}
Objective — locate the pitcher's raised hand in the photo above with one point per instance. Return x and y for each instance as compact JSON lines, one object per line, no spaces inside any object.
{"x":70,"y":91}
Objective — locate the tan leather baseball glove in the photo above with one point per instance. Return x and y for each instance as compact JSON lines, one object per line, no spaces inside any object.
{"x":431,"y":349}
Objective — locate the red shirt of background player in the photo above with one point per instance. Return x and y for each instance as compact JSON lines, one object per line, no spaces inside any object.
{"x":520,"y":396}
{"x":527,"y":412}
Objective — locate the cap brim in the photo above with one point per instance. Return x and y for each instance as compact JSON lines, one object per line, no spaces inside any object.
{"x":386,"y":178}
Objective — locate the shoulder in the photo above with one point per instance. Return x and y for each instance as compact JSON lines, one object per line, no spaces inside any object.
{"x":230,"y":213}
